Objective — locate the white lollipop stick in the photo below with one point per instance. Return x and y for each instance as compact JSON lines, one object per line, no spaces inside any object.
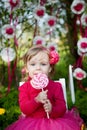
{"x":47,"y":112}
{"x":48,"y":115}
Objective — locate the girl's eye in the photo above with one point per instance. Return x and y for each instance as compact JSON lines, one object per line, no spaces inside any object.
{"x":43,"y":64}
{"x":32,"y":64}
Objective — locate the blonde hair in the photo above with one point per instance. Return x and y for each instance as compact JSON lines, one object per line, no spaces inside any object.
{"x":34,"y":50}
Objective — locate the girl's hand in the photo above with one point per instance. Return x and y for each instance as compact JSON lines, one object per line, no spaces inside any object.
{"x":47,"y":106}
{"x":42,"y":97}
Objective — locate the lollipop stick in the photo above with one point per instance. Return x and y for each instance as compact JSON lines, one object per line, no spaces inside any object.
{"x":48,"y":115}
{"x":47,"y":112}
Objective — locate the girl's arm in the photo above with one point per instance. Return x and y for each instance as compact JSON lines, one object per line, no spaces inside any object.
{"x":59,"y":105}
{"x":27,"y":106}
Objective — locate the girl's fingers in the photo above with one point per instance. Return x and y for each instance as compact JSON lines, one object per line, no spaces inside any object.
{"x":47,"y":106}
{"x":42,"y":97}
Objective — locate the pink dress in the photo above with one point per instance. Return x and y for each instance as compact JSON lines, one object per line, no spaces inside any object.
{"x":33,"y":116}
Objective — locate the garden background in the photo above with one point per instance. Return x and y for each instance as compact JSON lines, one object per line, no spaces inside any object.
{"x":23,"y":24}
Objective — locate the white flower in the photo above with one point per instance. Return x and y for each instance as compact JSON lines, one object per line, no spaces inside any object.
{"x":82,"y":45}
{"x":39,"y":12}
{"x":51,"y":21}
{"x":13,"y":4}
{"x":8,"y":31}
{"x":8,"y":54}
{"x":78,"y":6}
{"x":52,"y":46}
{"x":79,"y":74}
{"x":38,"y":40}
{"x":80,"y":53}
{"x":84,"y":19}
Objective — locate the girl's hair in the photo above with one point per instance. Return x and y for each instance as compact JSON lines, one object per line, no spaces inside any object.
{"x":34,"y":50}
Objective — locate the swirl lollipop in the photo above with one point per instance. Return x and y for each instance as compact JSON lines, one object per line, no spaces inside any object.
{"x":40,"y":81}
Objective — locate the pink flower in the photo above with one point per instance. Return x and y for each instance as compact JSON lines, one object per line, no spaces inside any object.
{"x":54,"y":57}
{"x":78,"y":6}
{"x":51,"y":21}
{"x":82,"y":45}
{"x":39,"y":40}
{"x":8,"y":31}
{"x":84,"y":19}
{"x":79,"y":74}
{"x":39,"y":12}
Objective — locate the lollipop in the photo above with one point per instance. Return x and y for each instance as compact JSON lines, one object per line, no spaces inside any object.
{"x":40,"y":81}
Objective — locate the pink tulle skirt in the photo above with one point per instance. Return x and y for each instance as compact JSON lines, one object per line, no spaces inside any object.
{"x":70,"y":121}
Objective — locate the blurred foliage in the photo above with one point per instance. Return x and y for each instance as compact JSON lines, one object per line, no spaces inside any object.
{"x":81,"y":99}
{"x":10,"y":104}
{"x":80,"y":104}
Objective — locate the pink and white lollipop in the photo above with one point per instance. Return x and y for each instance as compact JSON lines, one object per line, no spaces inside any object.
{"x":40,"y":81}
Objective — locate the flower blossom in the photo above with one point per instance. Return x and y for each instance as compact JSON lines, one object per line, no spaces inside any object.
{"x":82,"y":45}
{"x":51,"y":21}
{"x":38,"y":40}
{"x":8,"y":54}
{"x":78,"y":6}
{"x":39,"y":12}
{"x":52,"y":46}
{"x":8,"y":31}
{"x":2,"y":111}
{"x":54,"y":57}
{"x":79,"y":74}
{"x":81,"y":53}
{"x":13,"y":4}
{"x":84,"y":19}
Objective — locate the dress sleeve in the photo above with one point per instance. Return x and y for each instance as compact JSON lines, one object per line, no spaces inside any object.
{"x":27,"y":105}
{"x":59,"y":105}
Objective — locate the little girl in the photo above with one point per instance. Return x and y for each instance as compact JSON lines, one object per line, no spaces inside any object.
{"x":36,"y":104}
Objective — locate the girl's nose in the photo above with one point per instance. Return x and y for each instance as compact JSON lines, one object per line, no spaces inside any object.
{"x":38,"y":66}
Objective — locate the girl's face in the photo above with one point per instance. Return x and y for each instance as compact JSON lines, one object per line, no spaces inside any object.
{"x":38,"y":64}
